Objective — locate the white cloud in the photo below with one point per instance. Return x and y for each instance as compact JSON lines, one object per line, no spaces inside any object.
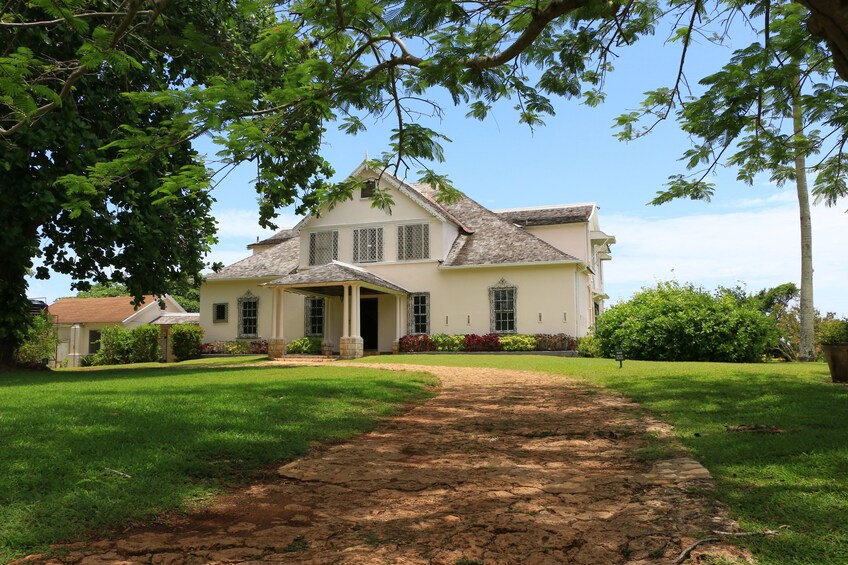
{"x":758,"y":247}
{"x":245,"y":223}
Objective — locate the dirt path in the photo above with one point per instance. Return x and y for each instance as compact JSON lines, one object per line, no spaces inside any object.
{"x":501,"y":467}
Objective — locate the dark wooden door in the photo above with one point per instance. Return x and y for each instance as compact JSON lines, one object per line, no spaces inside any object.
{"x":368,"y":323}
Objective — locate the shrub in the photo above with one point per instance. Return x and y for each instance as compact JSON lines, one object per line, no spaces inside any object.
{"x":309,"y":345}
{"x":185,"y":341}
{"x":116,"y":347}
{"x":39,"y":343}
{"x":416,"y":343}
{"x":445,"y":342}
{"x":555,"y":342}
{"x":235,"y":347}
{"x":145,"y":344}
{"x":833,"y":331}
{"x":259,"y":347}
{"x":674,"y":322}
{"x":588,"y":346}
{"x":487,"y":342}
{"x":518,"y":342}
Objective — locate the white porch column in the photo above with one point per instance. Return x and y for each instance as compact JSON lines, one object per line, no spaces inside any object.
{"x":398,"y":330}
{"x":277,"y":343}
{"x":357,"y":329}
{"x":345,"y":311}
{"x":350,"y":345}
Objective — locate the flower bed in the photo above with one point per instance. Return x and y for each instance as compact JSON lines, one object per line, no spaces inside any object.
{"x":487,"y":342}
{"x":235,"y":347}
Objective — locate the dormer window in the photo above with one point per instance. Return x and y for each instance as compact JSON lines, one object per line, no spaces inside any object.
{"x":368,"y":188}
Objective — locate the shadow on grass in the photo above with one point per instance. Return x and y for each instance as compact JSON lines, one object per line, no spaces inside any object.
{"x":179,"y":435}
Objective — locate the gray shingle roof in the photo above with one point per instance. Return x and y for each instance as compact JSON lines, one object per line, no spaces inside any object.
{"x":335,"y":272}
{"x":169,"y":319}
{"x":547,"y":216}
{"x":279,"y":237}
{"x":494,"y":240}
{"x":279,"y":260}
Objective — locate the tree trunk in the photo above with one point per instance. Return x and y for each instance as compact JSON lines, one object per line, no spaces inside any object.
{"x":806,"y":351}
{"x":18,"y":246}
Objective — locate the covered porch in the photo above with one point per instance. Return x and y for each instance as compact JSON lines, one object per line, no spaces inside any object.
{"x":361,"y":311}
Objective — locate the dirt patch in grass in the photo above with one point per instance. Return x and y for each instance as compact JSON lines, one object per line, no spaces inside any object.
{"x":501,"y":467}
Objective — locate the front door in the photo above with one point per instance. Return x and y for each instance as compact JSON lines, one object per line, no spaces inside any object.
{"x":368,"y":322}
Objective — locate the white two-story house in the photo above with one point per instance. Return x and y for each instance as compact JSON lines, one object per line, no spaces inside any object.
{"x":360,"y":278}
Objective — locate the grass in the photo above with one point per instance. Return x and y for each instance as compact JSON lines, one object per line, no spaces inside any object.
{"x":181,"y":432}
{"x":797,"y":478}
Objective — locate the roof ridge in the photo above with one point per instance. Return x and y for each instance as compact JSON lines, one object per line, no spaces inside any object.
{"x":546,"y":207}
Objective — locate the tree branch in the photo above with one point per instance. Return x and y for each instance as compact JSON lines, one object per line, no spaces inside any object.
{"x":57,"y":21}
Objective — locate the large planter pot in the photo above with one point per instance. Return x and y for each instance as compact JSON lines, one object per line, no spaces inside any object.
{"x":837,"y":360}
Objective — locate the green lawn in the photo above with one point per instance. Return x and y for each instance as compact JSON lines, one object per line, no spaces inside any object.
{"x":797,"y":478}
{"x":182,"y":432}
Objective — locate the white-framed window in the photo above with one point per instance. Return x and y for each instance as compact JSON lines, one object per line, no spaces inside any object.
{"x":220,"y":312}
{"x":313,"y":314}
{"x":419,"y":313}
{"x":502,"y":308}
{"x":413,"y":242}
{"x":248,"y":306}
{"x":323,"y":247}
{"x":367,"y":245}
{"x":368,"y":187}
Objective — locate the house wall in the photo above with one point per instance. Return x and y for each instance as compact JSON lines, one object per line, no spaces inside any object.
{"x":74,"y":344}
{"x":228,"y":292}
{"x":358,"y":213}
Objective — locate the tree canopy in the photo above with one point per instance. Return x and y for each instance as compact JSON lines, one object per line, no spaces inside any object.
{"x":99,"y":103}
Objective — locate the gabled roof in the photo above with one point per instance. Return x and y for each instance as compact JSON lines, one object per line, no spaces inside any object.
{"x":426,"y":201}
{"x":548,"y":215}
{"x":113,"y":309}
{"x":494,"y":240}
{"x":277,"y":261}
{"x":335,"y":272}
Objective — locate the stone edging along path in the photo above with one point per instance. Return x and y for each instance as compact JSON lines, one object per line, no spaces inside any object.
{"x":500,"y":467}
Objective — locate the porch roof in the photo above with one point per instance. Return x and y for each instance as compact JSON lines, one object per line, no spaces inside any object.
{"x":328,"y":279}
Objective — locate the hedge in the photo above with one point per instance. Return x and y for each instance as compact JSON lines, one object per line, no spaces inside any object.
{"x":186,"y":340}
{"x":487,"y":342}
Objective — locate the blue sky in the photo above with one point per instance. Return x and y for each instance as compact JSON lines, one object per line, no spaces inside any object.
{"x":747,"y":235}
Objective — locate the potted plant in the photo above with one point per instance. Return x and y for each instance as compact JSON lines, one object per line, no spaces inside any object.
{"x":833,"y":336}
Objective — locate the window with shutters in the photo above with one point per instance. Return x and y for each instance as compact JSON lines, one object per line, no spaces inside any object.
{"x":323,"y":247}
{"x":219,"y":312}
{"x":367,"y":245}
{"x":413,"y":242}
{"x":314,"y":317}
{"x":419,"y":313}
{"x":502,"y":308}
{"x":248,"y":315}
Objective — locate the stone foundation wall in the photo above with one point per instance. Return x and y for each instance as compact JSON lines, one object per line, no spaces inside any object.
{"x":351,"y":347}
{"x":276,"y":348}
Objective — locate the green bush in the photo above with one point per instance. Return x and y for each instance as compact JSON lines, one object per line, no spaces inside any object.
{"x":833,"y":331}
{"x":39,"y":343}
{"x":145,"y":344}
{"x":186,"y":340}
{"x":588,"y":346}
{"x":445,"y":342}
{"x":307,"y":345}
{"x":119,"y":346}
{"x":116,"y":347}
{"x":236,"y":347}
{"x":674,"y":322}
{"x":518,"y":342}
